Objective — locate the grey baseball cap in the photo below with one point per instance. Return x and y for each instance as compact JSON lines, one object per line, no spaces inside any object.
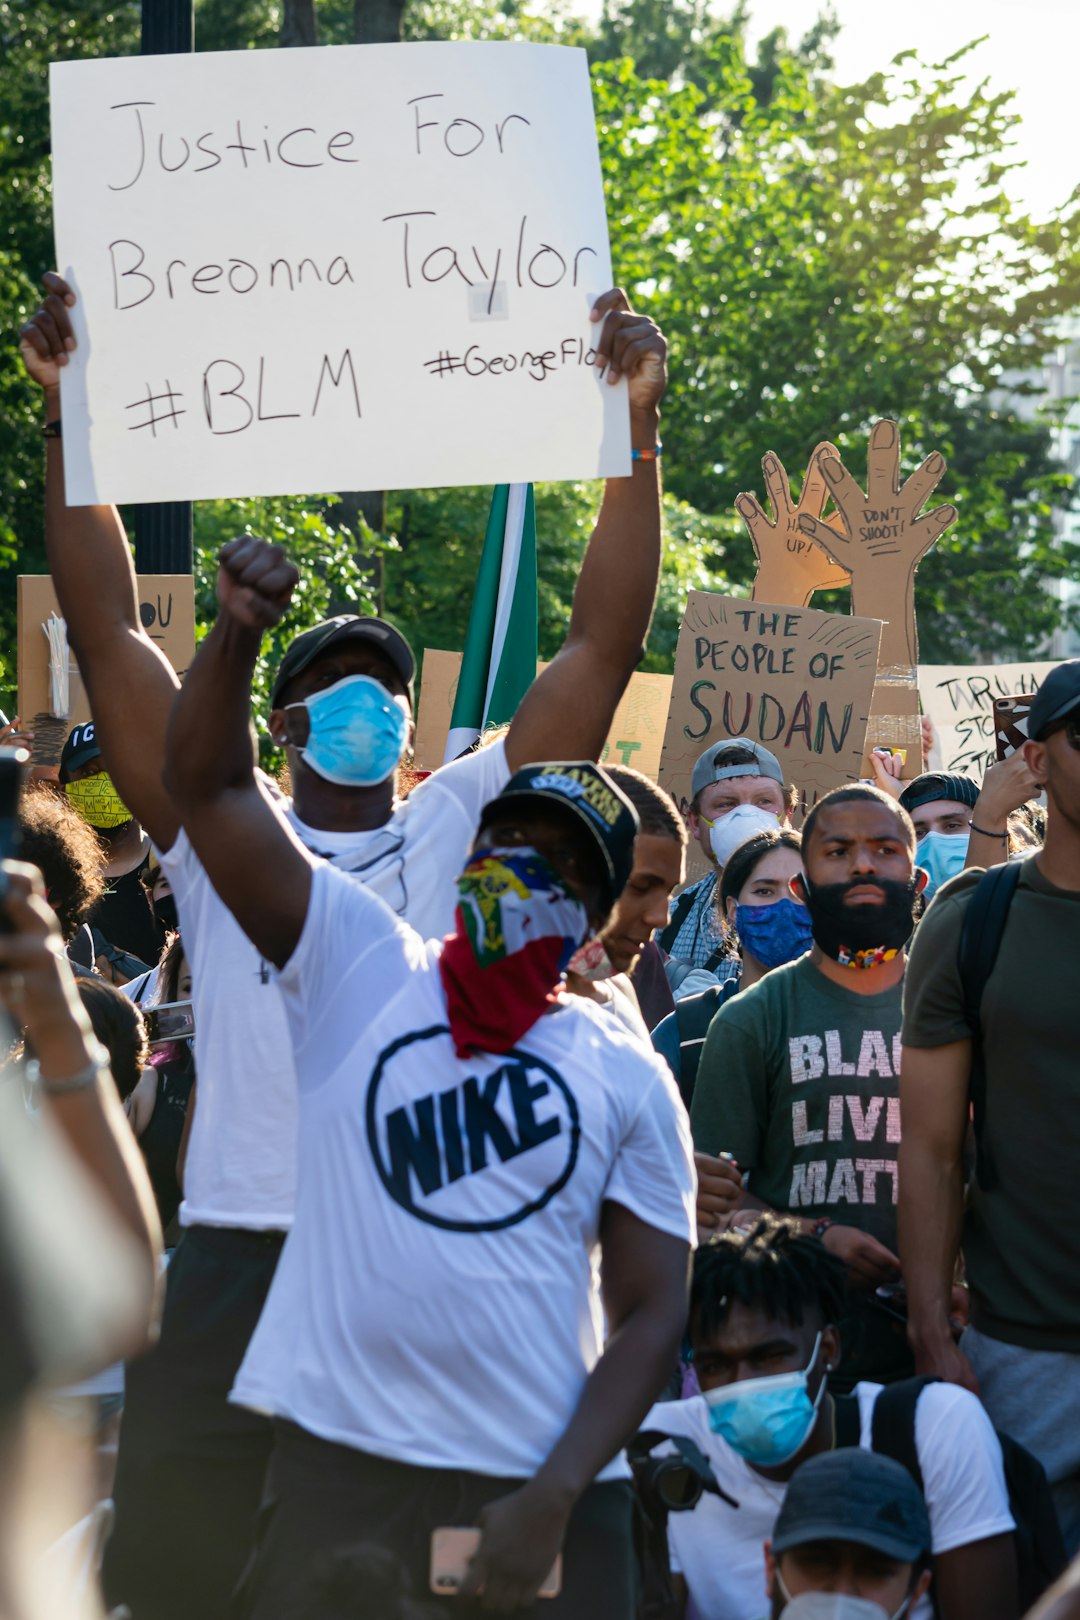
{"x":711,"y":768}
{"x":854,"y":1495}
{"x":1056,"y":698}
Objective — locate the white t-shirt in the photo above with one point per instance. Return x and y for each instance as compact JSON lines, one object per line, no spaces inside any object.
{"x":719,"y":1550}
{"x":241,"y":1162}
{"x":437,"y":1301}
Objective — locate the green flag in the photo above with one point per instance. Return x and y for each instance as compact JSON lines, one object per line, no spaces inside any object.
{"x":499,"y":664}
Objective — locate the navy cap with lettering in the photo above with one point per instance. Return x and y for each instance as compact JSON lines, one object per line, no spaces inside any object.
{"x":386,"y":638}
{"x":80,"y":748}
{"x":1055,"y":700}
{"x":854,"y":1495}
{"x":588,"y":793}
{"x":710,"y":766}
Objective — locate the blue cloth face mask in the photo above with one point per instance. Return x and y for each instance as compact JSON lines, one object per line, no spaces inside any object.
{"x":766,"y":1420}
{"x":776,"y":933}
{"x":356,"y":731}
{"x":941,"y":856}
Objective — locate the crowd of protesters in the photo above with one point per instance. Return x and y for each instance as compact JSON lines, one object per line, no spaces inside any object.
{"x":516,"y":1230}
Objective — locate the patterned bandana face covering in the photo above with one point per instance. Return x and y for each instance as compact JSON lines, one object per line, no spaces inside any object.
{"x":518,"y":926}
{"x":97,"y":801}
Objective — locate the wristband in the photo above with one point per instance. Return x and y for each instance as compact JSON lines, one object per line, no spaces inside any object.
{"x":820,"y":1227}
{"x":982,"y":832}
{"x":52,"y":430}
{"x":648,"y":455}
{"x":99,"y":1064}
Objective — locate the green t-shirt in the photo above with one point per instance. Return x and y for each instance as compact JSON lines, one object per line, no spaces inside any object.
{"x":1022,"y":1240}
{"x":799,"y":1081}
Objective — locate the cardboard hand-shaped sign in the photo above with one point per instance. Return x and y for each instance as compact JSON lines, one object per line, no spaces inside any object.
{"x":883,"y":538}
{"x":791,"y":566}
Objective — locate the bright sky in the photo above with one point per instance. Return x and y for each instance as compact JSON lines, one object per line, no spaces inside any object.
{"x":1033,"y":48}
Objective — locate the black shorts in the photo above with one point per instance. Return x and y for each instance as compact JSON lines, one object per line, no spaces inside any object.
{"x":323,"y":1498}
{"x":190,"y":1467}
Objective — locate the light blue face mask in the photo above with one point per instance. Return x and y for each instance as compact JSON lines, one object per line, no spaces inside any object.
{"x":356,"y":731}
{"x":942,"y":856}
{"x":766,"y":1420}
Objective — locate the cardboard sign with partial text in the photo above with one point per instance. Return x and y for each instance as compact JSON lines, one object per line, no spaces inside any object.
{"x":635,"y":738}
{"x":959,"y":698}
{"x":167,"y":612}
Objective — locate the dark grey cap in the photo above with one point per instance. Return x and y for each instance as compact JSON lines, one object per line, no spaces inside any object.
{"x":854,"y":1495}
{"x":1057,"y":697}
{"x":711,"y":768}
{"x":386,"y":638}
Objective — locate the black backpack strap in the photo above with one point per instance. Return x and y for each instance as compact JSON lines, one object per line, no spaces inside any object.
{"x":893,"y":1424}
{"x":678,"y":917}
{"x":980,"y":942}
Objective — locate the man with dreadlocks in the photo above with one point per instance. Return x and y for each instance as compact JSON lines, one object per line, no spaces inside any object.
{"x":764,"y":1306}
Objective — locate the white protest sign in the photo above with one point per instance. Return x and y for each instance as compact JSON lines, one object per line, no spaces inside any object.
{"x":959,"y":698}
{"x":365,"y":267}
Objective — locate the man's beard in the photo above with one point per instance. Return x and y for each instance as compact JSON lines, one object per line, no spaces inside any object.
{"x":843,"y":930}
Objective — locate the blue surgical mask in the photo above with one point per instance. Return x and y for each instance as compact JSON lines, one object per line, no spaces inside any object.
{"x":356,"y":731}
{"x":942,"y":856}
{"x":766,"y":1420}
{"x":776,"y":933}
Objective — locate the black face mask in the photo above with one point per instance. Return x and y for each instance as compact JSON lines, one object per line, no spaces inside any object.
{"x":164,"y":909}
{"x":866,"y":935}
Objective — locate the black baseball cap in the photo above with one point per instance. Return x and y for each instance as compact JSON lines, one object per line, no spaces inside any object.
{"x":1056,"y":698}
{"x":854,"y":1495}
{"x":934,"y":785}
{"x":346,"y":627}
{"x":589,"y":794}
{"x":80,"y":748}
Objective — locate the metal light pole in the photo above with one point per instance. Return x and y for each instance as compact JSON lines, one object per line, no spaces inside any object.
{"x":163,"y":529}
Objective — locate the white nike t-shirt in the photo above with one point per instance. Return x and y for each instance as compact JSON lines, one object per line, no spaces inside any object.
{"x":241,"y":1162}
{"x":718,"y":1550}
{"x":437,"y":1301}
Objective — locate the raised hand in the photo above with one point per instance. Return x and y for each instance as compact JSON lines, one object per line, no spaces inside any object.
{"x":883,"y":536}
{"x":630,"y":346}
{"x":255,"y":582}
{"x":47,"y":338}
{"x":791,"y":566}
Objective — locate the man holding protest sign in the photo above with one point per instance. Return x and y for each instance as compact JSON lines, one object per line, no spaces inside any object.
{"x":191,"y":1467}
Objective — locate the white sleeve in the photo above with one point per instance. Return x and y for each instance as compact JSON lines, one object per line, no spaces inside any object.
{"x":353,"y":954}
{"x":182,"y":867}
{"x":962,"y":1468}
{"x":472,"y":781}
{"x":653,"y":1175}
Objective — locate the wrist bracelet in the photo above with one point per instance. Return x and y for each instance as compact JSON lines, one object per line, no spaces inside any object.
{"x":648,"y":455}
{"x":52,"y":430}
{"x":99,"y":1064}
{"x":820,"y":1227}
{"x":982,"y":832}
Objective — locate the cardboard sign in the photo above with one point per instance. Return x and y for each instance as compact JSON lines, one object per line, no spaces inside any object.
{"x":364,"y":267}
{"x":636,"y":736}
{"x":167,"y":611}
{"x":794,"y":679}
{"x":790,"y":566}
{"x":884,"y":535}
{"x":959,"y":698}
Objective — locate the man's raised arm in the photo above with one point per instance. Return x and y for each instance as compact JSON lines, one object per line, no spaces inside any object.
{"x":567,"y":712}
{"x":130,"y":683}
{"x":256,"y":865}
